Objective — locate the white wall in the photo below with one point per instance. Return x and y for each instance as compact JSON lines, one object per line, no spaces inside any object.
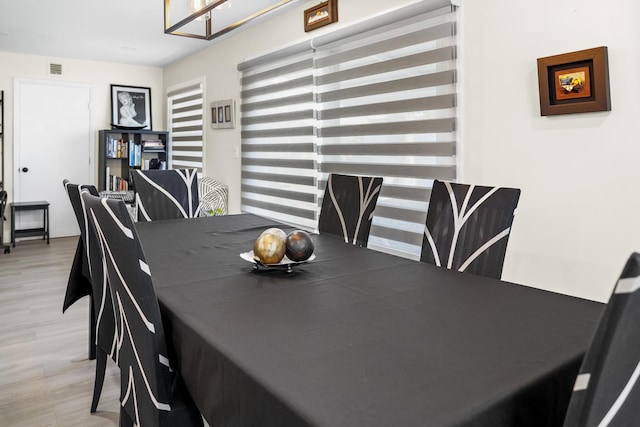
{"x":577,"y":220}
{"x":99,"y":74}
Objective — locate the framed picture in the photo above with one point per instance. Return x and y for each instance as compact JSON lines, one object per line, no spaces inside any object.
{"x":575,"y":82}
{"x":130,"y":107}
{"x":222,"y":114}
{"x":320,"y":15}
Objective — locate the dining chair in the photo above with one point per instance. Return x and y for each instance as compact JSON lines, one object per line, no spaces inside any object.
{"x":79,"y":283}
{"x":101,"y":321}
{"x":606,"y":390}
{"x":151,"y":393}
{"x":468,"y":227}
{"x":166,"y":194}
{"x":3,"y":206}
{"x":347,"y":207}
{"x":213,"y":197}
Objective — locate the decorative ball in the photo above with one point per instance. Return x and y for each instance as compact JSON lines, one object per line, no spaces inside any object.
{"x":270,"y":248}
{"x":299,"y":246}
{"x":277,"y":231}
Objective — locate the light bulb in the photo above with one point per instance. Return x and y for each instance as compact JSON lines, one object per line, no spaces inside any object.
{"x":196,"y":5}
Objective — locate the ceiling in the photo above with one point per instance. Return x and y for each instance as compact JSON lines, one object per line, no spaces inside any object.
{"x":121,"y":31}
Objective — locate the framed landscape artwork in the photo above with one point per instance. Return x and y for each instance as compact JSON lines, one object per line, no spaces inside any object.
{"x":320,"y":15}
{"x":130,"y":107}
{"x":575,"y":82}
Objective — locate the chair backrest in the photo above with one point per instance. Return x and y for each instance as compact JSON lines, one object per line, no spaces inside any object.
{"x":347,"y":207}
{"x":141,"y":352}
{"x":607,"y":391}
{"x":213,"y":197}
{"x":79,"y":283}
{"x":166,"y":194}
{"x":468,"y":227}
{"x":103,"y":307}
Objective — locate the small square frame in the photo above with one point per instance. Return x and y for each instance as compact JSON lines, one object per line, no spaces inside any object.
{"x":137,"y":115}
{"x":320,"y":15}
{"x":591,"y":91}
{"x":223,"y":114}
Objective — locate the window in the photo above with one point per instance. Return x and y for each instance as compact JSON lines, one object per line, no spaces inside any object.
{"x":384,"y":104}
{"x":186,"y":120}
{"x":387,"y":107}
{"x":278,"y":155}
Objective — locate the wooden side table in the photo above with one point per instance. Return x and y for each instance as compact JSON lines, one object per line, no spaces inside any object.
{"x":28,"y":232}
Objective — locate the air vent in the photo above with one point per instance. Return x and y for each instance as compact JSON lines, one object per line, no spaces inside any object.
{"x":55,"y":69}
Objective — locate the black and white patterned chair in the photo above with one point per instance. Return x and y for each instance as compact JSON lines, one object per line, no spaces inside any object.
{"x":468,"y":227}
{"x":347,"y":207}
{"x":79,"y":283}
{"x":213,"y":197}
{"x":606,"y":391}
{"x":101,"y":322}
{"x":151,"y":393}
{"x":166,"y":194}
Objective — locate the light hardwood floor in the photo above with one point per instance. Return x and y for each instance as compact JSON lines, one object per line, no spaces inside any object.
{"x":45,"y":376}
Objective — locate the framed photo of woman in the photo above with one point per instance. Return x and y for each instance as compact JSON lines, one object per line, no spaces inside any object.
{"x":130,"y":107}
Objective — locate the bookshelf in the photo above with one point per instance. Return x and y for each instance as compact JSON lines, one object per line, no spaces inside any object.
{"x":120,"y":151}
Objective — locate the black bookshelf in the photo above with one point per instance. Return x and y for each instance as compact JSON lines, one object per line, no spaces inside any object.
{"x":121,"y":151}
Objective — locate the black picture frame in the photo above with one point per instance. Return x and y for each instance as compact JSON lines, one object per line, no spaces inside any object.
{"x":223,"y":114}
{"x":591,"y":89}
{"x":131,"y":107}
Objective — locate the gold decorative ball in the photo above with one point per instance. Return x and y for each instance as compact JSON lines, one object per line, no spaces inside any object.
{"x":277,"y":231}
{"x":270,"y":247}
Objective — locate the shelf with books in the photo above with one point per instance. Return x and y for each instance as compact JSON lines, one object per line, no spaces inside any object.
{"x":120,"y":151}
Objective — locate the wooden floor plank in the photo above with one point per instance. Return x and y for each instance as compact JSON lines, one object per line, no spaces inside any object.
{"x":45,"y":376}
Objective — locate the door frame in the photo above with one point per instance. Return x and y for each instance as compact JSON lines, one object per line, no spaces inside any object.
{"x":17,"y":82}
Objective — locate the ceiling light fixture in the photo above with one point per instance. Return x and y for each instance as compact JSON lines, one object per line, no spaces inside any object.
{"x":208,"y":19}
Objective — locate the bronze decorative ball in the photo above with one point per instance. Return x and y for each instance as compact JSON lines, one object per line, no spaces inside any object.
{"x":270,"y":248}
{"x":299,"y":246}
{"x":277,"y":231}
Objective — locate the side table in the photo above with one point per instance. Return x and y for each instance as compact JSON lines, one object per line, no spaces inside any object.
{"x":27,"y":232}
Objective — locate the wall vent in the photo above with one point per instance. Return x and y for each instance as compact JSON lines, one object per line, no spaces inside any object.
{"x":55,"y":69}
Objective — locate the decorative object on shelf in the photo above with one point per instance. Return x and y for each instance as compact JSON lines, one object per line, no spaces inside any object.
{"x":575,"y":82}
{"x":130,"y":107}
{"x":209,"y":19}
{"x":223,"y":114}
{"x":320,"y":15}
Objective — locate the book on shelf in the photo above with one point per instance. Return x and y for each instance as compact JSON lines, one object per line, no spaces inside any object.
{"x":117,"y":183}
{"x":135,"y":154}
{"x":153,"y":145}
{"x":116,"y":148}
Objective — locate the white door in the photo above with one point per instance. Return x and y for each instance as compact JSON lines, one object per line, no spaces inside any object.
{"x":53,"y":140}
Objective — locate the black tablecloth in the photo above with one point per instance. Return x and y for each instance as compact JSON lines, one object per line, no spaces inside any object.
{"x":357,"y":337}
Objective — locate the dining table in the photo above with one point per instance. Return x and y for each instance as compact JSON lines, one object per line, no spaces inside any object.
{"x":355,"y":336}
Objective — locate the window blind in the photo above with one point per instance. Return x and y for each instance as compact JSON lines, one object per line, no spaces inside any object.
{"x":186,"y":121}
{"x":278,"y":154}
{"x":386,"y":106}
{"x":376,"y":98}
